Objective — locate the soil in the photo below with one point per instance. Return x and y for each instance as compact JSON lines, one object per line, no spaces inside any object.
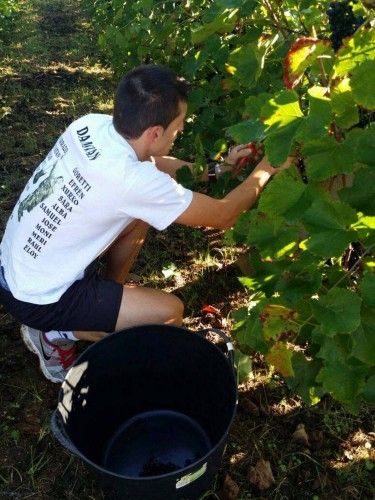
{"x":277,"y":448}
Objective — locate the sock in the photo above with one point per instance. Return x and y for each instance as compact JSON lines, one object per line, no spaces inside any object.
{"x":54,"y":335}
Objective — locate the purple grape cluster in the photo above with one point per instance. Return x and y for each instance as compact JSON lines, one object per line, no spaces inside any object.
{"x":343,"y":22}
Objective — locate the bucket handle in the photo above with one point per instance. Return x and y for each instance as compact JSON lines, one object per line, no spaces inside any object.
{"x":60,"y":434}
{"x":228,"y":343}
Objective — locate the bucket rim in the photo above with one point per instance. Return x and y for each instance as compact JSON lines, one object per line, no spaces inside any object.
{"x":112,"y":336}
{"x":185,"y":470}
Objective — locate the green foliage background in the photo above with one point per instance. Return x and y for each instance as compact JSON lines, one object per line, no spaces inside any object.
{"x":8,"y":8}
{"x":312,"y":284}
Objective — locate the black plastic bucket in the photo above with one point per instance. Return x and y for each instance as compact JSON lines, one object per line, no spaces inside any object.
{"x":149,"y":409}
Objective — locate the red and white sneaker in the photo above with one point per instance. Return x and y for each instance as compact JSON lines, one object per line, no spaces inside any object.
{"x":55,"y":358}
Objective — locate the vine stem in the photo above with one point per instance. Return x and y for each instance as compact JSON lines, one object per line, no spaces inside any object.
{"x":323,"y":73}
{"x":268,"y":6}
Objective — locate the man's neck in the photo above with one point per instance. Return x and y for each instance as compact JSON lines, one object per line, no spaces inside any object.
{"x":140,"y":149}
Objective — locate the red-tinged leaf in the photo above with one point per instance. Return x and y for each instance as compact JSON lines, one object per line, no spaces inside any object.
{"x":279,"y":322}
{"x":207,"y":309}
{"x":302,"y":54}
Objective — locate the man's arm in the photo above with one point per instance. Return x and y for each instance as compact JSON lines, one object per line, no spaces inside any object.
{"x":170,"y":165}
{"x":222,"y":214}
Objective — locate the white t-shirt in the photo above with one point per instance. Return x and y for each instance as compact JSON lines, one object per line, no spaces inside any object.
{"x":87,"y":190}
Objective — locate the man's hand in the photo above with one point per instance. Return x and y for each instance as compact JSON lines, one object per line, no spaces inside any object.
{"x":237,"y":152}
{"x":237,"y":156}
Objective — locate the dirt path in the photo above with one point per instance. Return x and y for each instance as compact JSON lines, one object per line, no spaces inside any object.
{"x":50,"y":74}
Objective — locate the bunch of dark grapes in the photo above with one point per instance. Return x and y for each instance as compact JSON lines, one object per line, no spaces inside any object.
{"x":365,"y":118}
{"x":342,"y":21}
{"x":300,"y":164}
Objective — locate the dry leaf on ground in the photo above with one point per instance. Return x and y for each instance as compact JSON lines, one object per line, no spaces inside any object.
{"x":249,"y":406}
{"x":230,"y":489}
{"x":237,"y":458}
{"x":316,"y":439}
{"x":261,"y":475}
{"x":300,"y":435}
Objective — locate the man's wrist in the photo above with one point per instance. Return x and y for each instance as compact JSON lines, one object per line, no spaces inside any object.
{"x":260,"y":176}
{"x":265,"y":166}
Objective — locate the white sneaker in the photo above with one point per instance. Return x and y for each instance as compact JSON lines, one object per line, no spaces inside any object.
{"x":55,"y":358}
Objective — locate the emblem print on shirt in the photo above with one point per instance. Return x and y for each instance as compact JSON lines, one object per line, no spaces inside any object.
{"x":42,"y":192}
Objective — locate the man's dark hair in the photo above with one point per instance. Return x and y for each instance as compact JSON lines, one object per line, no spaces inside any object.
{"x":148,"y":95}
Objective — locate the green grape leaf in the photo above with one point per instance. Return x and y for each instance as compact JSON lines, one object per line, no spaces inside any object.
{"x":326,"y":158}
{"x":274,"y":201}
{"x":278,"y":145}
{"x":368,"y":391}
{"x":365,"y":150}
{"x":364,"y":338}
{"x":357,"y":49}
{"x":343,"y":104}
{"x":365,"y":228}
{"x":280,"y":357}
{"x":294,"y":286}
{"x":254,"y":104}
{"x":283,"y":117}
{"x":328,"y":225}
{"x":263,"y":273}
{"x":343,"y":381}
{"x":363,"y":84}
{"x":338,"y":311}
{"x":251,"y":283}
{"x":243,"y":364}
{"x":368,"y":289}
{"x":246,"y":131}
{"x":246,"y":64}
{"x":232,"y":3}
{"x":272,"y":235}
{"x":334,"y":348}
{"x":223,"y":23}
{"x":361,"y":195}
{"x":300,"y":195}
{"x":251,"y":336}
{"x":196,"y":100}
{"x":305,"y":373}
{"x":319,"y":117}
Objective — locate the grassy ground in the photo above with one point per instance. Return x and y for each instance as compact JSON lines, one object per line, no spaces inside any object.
{"x":50,"y":74}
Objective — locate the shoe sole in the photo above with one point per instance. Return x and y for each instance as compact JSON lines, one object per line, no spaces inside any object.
{"x":32,"y":347}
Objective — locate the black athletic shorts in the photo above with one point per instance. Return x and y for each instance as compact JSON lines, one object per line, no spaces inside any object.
{"x":89,"y":304}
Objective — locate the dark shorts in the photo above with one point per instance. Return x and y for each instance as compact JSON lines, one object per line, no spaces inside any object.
{"x":89,"y":304}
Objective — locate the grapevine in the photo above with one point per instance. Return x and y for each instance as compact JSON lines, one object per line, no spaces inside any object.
{"x":258,"y":81}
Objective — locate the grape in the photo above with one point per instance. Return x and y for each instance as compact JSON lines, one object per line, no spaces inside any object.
{"x":365,"y":118}
{"x":342,"y":21}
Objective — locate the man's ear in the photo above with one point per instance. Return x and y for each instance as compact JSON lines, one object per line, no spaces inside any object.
{"x":154,"y":133}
